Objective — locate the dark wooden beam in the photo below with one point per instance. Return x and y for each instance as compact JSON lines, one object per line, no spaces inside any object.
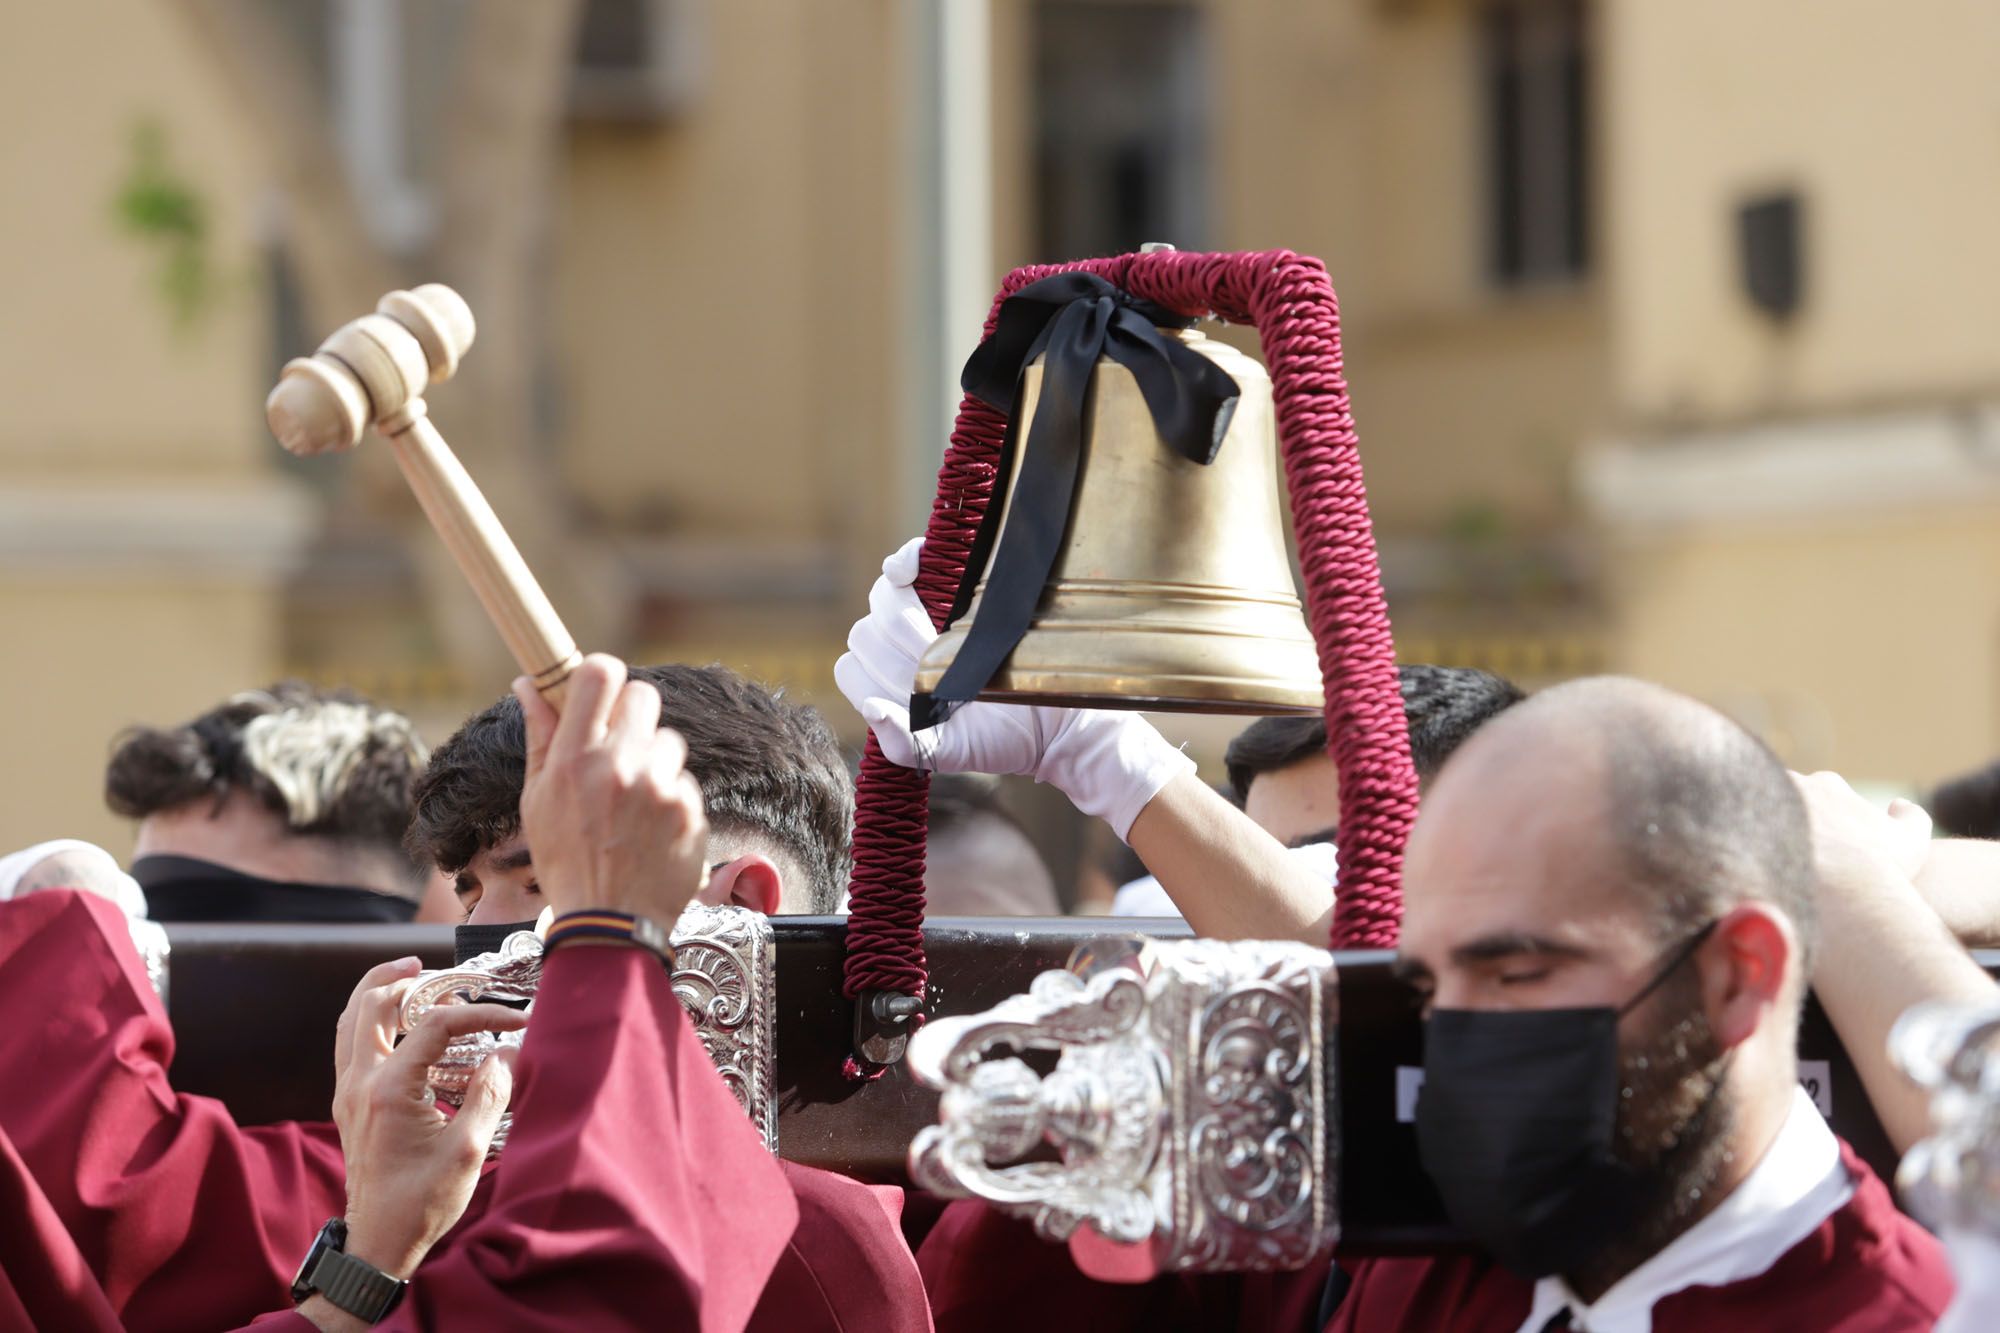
{"x":254,"y":1006}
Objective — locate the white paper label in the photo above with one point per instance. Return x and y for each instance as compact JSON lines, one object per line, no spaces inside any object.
{"x":1409,"y":1079}
{"x":1816,"y":1077}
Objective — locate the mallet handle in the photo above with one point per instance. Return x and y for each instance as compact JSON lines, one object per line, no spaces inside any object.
{"x":519,"y":608}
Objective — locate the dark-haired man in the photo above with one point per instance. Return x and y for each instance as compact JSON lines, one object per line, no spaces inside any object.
{"x":779,"y":799}
{"x":1281,"y":775}
{"x":281,"y":804}
{"x":779,"y":806}
{"x":1284,"y":779}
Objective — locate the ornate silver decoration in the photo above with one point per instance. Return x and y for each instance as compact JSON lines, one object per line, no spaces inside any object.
{"x":1190,"y":1104}
{"x":510,"y":972}
{"x":725,"y":976}
{"x":150,"y":939}
{"x":1952,"y":1178}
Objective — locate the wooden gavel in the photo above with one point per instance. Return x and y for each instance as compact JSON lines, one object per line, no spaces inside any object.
{"x":375,"y":370}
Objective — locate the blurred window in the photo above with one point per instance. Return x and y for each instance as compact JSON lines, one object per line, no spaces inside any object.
{"x":1534,"y":63}
{"x":378,"y":60}
{"x":1121,"y":126}
{"x":636,"y":60}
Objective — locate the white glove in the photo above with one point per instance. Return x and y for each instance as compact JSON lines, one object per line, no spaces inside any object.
{"x":88,"y":867}
{"x":85,"y":866}
{"x":1109,"y":764}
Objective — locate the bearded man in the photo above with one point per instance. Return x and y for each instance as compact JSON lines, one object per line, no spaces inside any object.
{"x":1610,"y":908}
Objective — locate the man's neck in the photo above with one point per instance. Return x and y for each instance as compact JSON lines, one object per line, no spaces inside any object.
{"x":249,"y":839}
{"x":1713,"y":1172}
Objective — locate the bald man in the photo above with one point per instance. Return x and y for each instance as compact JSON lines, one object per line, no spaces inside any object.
{"x":1609,"y":906}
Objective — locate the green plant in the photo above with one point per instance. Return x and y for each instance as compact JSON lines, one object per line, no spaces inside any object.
{"x":160,"y":206}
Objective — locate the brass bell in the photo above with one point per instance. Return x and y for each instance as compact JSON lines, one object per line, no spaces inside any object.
{"x":1172,"y":590}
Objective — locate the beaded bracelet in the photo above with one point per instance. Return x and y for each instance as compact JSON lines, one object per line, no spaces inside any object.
{"x":600,"y":923}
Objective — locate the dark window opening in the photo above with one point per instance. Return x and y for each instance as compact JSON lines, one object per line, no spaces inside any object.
{"x":615,"y":35}
{"x":1536,"y":91}
{"x":1121,"y":127}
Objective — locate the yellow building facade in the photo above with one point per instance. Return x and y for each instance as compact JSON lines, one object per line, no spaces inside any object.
{"x":1588,"y":445}
{"x":1802,"y":513}
{"x":145,"y":540}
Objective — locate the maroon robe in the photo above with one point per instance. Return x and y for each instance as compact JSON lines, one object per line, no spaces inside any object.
{"x":1866,"y":1269}
{"x":204,"y":1225}
{"x":187,"y":1220}
{"x":847,"y":1268}
{"x":587,"y":1226}
{"x":45,"y":1283}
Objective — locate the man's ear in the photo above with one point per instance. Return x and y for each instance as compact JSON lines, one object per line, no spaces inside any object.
{"x":750,"y":881}
{"x":1746,"y":967}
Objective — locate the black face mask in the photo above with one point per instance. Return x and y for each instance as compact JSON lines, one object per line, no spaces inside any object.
{"x":469,"y":941}
{"x":185,"y":888}
{"x":1517,"y":1127}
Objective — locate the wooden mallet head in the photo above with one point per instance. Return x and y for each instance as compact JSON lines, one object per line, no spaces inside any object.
{"x":370,"y":371}
{"x":375,"y":371}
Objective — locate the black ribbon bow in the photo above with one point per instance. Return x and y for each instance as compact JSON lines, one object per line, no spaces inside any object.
{"x":1076,"y":318}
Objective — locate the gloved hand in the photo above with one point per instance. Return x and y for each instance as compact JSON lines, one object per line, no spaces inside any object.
{"x":67,"y":863}
{"x":1109,"y":764}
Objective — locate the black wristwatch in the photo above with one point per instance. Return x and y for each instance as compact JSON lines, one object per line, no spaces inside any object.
{"x":353,"y":1285}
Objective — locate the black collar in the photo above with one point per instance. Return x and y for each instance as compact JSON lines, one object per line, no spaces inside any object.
{"x":185,"y":888}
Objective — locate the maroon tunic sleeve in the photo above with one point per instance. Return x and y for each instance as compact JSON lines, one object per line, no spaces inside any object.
{"x":187,"y":1220}
{"x":633,"y":1192}
{"x":847,"y":1268}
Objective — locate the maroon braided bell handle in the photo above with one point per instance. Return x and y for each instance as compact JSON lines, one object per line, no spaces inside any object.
{"x":1291,"y":303}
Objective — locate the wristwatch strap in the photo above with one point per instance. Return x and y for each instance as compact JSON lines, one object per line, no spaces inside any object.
{"x":604,"y":924}
{"x":358,"y":1287}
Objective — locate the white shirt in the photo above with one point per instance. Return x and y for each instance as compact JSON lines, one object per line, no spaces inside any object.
{"x":1145,"y":897}
{"x":1975,"y":1263}
{"x":1798,"y":1185}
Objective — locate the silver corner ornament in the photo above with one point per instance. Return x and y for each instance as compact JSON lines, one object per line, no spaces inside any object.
{"x":1952,"y":1051}
{"x":725,"y":977}
{"x":1190,"y":1107}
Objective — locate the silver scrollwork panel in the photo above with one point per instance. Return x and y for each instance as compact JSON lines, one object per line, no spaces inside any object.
{"x":1190,"y":1105}
{"x":1952,"y":1178}
{"x":725,"y":977}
